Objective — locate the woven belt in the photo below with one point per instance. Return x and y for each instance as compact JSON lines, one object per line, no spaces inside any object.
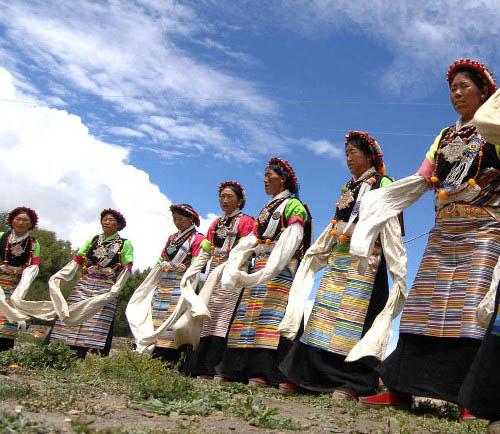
{"x":457,"y":210}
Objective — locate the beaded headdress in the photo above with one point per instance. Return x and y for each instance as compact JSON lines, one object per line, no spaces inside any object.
{"x":23,"y":209}
{"x":373,"y":145}
{"x":186,"y":210}
{"x":235,"y":186}
{"x":285,"y":165}
{"x":480,"y":68}
{"x":117,"y":215}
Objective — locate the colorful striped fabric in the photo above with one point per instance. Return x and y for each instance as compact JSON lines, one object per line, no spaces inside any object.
{"x":94,"y":332}
{"x":164,"y":301}
{"x":339,"y":311}
{"x":260,"y":311}
{"x":453,"y":277}
{"x":8,"y":281}
{"x":221,"y":306}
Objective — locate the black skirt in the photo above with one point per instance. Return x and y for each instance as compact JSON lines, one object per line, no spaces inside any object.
{"x":323,"y":371}
{"x":6,"y":344}
{"x":429,"y":366}
{"x":480,"y":392}
{"x":241,"y":364}
{"x":206,"y":357}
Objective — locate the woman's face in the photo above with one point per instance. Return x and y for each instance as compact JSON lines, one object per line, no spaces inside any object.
{"x":357,"y":162}
{"x":228,"y":201}
{"x":273,"y":183}
{"x":465,"y":96}
{"x":109,"y":224}
{"x":181,"y":222}
{"x":21,"y":224}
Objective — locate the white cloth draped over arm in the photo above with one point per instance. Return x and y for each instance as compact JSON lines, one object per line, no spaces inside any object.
{"x":380,"y":205}
{"x":237,"y":256}
{"x":487,"y":119}
{"x":487,"y":306}
{"x":282,"y":253}
{"x":374,"y":342}
{"x":138,"y":311}
{"x":83,"y":310}
{"x":313,"y":261}
{"x":65,"y":274}
{"x":18,"y":309}
{"x":187,"y":329}
{"x":139,"y":308}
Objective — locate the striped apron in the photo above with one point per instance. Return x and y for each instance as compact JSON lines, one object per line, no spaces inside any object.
{"x":94,"y":332}
{"x":260,"y":311}
{"x":8,"y":281}
{"x":339,"y":311}
{"x":454,"y":275}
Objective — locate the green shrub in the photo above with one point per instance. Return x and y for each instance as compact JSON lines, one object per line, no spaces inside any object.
{"x":56,"y":355}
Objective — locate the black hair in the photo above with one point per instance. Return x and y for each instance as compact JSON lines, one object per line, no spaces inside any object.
{"x":236,"y":190}
{"x":362,"y":145}
{"x":474,"y":76}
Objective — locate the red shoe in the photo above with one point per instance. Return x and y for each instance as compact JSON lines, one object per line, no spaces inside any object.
{"x":466,"y":414}
{"x":394,"y":399}
{"x":287,"y":388}
{"x":258,"y":382}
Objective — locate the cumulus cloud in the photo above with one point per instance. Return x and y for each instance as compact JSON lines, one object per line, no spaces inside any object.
{"x":50,"y":161}
{"x":131,"y":56}
{"x":324,"y":148}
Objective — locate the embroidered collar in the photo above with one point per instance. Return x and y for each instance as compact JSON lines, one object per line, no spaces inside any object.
{"x":367,"y":173}
{"x":283,"y":194}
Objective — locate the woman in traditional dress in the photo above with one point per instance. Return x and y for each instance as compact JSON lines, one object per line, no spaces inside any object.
{"x":439,"y":332}
{"x":254,"y":348}
{"x":20,"y":258}
{"x":105,"y":260}
{"x":346,"y":302}
{"x":224,"y":233}
{"x":181,"y":250}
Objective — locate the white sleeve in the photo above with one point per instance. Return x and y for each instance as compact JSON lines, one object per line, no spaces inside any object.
{"x":313,"y":261}
{"x":65,"y":274}
{"x":487,"y":119}
{"x":198,"y":308}
{"x":237,"y":256}
{"x":487,"y":306}
{"x":279,"y":258}
{"x":374,"y":342}
{"x":380,"y":205}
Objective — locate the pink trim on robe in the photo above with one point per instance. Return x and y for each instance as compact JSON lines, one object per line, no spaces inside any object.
{"x":36,"y":260}
{"x":196,"y":244}
{"x":426,"y":169}
{"x":246,"y":225}
{"x":78,"y":259}
{"x":295,"y":219}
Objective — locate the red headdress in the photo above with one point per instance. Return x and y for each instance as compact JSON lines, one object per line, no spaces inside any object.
{"x":237,"y":188}
{"x":117,"y":215}
{"x":373,"y":145}
{"x":480,"y":68}
{"x":23,"y":209}
{"x":187,"y":211}
{"x":287,"y":168}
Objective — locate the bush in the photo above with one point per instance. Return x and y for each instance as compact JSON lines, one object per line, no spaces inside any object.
{"x":56,"y":355}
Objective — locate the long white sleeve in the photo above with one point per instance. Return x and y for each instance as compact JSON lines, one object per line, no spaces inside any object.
{"x":487,"y":119}
{"x":486,"y":307}
{"x":65,"y":274}
{"x":313,"y":261}
{"x":237,"y":256}
{"x":279,"y":258}
{"x":380,"y":205}
{"x":374,"y":342}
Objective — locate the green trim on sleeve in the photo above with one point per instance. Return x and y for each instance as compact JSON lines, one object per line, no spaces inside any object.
{"x":85,"y":248}
{"x":127,"y":253}
{"x":206,"y":245}
{"x":431,"y":153}
{"x":293,"y":208}
{"x":37,"y":250}
{"x":385,"y":181}
{"x":497,"y":149}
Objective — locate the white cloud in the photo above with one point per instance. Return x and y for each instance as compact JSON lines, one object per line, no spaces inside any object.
{"x":129,"y":54}
{"x":51,"y":162}
{"x":125,"y":132}
{"x":324,"y":148}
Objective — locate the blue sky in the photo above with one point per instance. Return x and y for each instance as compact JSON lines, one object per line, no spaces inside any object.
{"x":137,"y":104}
